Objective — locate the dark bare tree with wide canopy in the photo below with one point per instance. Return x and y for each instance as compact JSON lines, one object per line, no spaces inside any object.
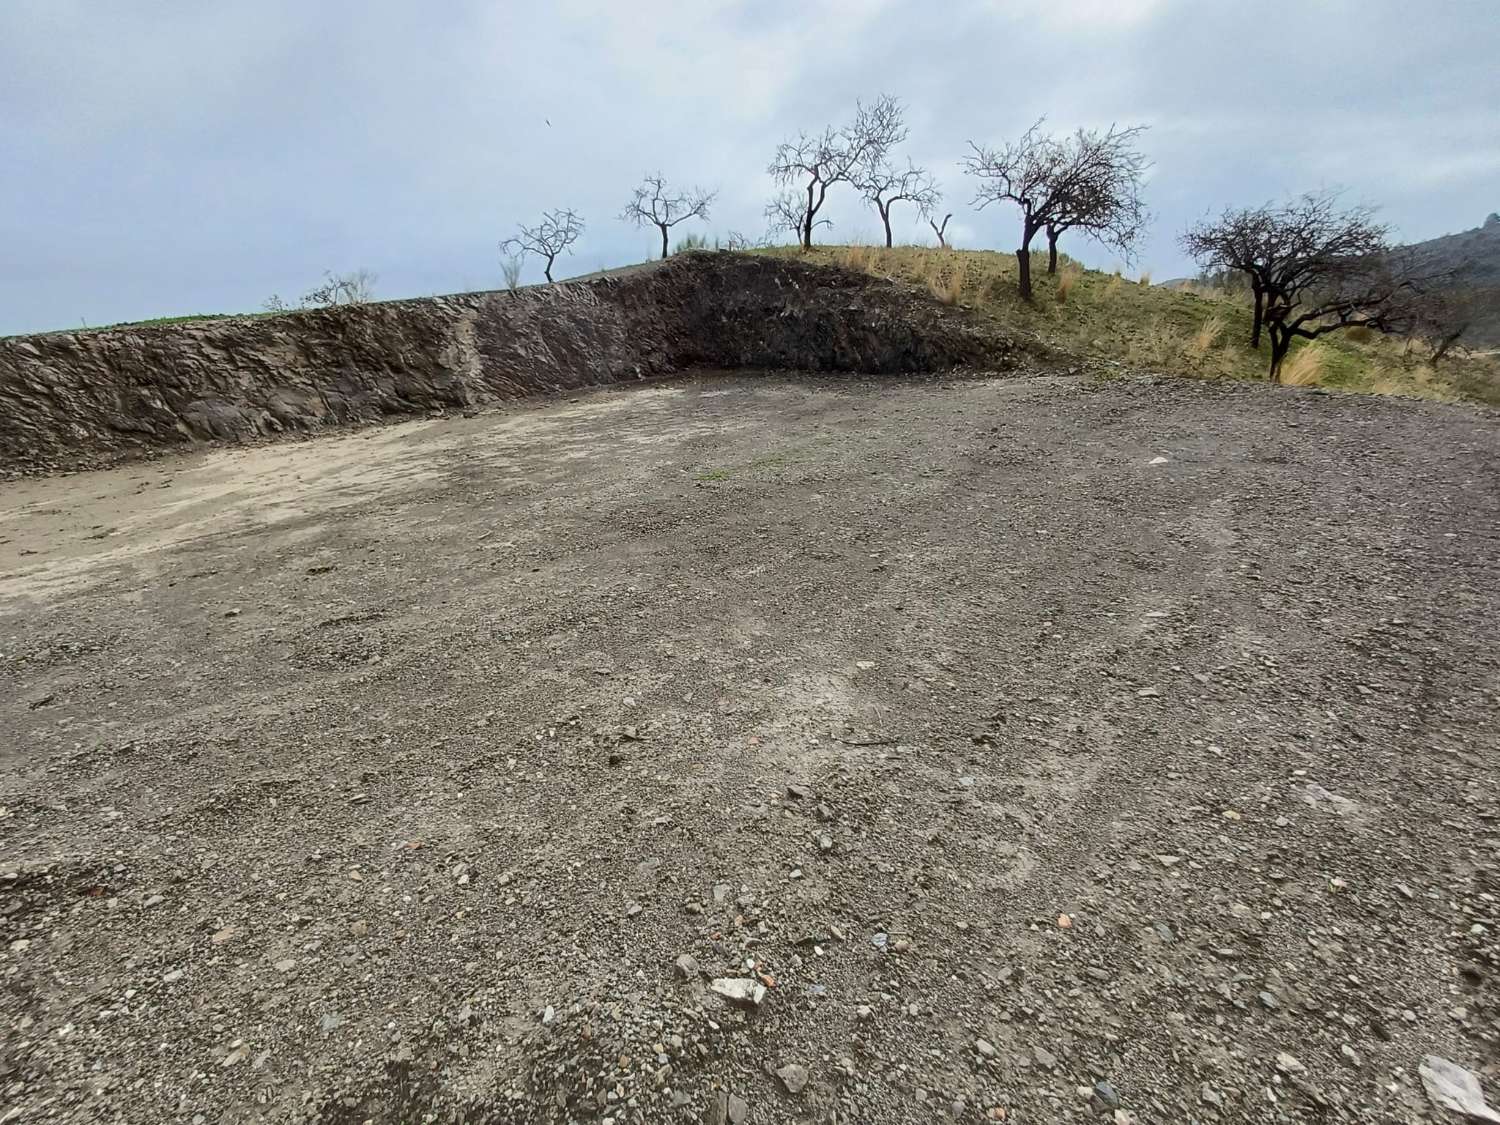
{"x":653,"y":204}
{"x":819,"y":161}
{"x":1317,"y":266}
{"x":557,"y":231}
{"x":1088,"y":182}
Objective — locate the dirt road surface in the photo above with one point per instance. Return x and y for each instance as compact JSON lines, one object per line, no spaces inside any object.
{"x":749,"y":749}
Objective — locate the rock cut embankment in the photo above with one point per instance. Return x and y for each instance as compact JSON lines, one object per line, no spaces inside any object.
{"x":72,"y":399}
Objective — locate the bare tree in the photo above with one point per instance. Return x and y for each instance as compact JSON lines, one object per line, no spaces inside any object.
{"x":654,"y":204}
{"x":940,"y":229}
{"x":818,"y":161}
{"x":1100,"y":191}
{"x":1023,"y":172}
{"x":1089,"y":181}
{"x":884,"y":185}
{"x":1239,"y":241}
{"x":1317,"y":267}
{"x":557,"y":231}
{"x":356,"y":288}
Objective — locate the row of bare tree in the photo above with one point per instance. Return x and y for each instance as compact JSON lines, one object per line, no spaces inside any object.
{"x":1312,"y":265}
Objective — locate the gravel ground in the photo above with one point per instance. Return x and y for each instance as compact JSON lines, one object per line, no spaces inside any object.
{"x":749,"y":749}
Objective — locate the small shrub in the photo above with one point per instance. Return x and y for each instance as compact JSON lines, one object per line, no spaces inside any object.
{"x":355,"y":288}
{"x":1068,"y":278}
{"x":510,"y":269}
{"x":1145,"y":281}
{"x":1206,"y":338}
{"x":691,"y":242}
{"x":1305,"y":369}
{"x":1113,"y":286}
{"x":947,"y":288}
{"x":1359,"y":334}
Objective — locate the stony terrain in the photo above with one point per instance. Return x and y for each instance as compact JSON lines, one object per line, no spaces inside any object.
{"x":95,"y":398}
{"x":750,"y":749}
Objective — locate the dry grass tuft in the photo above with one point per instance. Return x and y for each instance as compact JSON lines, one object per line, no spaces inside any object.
{"x":947,"y":287}
{"x":1145,"y":280}
{"x":1203,"y":341}
{"x":1113,"y":286}
{"x":1159,"y":344}
{"x":1305,"y":369}
{"x":1359,"y":334}
{"x":1068,"y":278}
{"x":855,"y":257}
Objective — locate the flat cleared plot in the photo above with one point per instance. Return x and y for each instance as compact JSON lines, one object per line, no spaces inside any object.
{"x":330,"y":767}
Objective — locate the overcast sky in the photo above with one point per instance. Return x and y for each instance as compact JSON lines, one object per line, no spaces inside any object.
{"x":163,"y":157}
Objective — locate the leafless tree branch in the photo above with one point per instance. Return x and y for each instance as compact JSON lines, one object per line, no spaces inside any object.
{"x":557,"y":231}
{"x":883,"y":185}
{"x":654,"y":204}
{"x":817,"y":162}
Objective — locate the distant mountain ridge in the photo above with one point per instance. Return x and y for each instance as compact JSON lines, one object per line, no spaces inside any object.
{"x":1474,"y":258}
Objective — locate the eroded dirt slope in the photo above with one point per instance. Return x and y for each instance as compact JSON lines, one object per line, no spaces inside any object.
{"x":392,"y":774}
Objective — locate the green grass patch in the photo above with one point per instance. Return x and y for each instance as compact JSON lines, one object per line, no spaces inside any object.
{"x":1192,"y":333}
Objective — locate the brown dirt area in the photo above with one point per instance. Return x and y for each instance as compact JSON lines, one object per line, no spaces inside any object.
{"x":387,"y":776}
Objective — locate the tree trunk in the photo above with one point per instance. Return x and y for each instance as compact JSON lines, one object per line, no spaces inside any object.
{"x":938,"y":230}
{"x":1280,"y":345}
{"x":1260,"y":313}
{"x":547,"y":269}
{"x":1023,"y":259}
{"x":1052,"y":237}
{"x":663,"y":240}
{"x":885,"y":217}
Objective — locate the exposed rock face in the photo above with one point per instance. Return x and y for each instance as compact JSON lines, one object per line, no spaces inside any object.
{"x":69,"y":399}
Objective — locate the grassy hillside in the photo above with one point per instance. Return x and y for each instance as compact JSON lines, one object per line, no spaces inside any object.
{"x":1184,"y":332}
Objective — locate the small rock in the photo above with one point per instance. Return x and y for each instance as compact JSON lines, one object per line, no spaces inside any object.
{"x":738,"y":1109}
{"x":743,"y":991}
{"x":1268,"y":1001}
{"x":1452,"y":1087}
{"x":801,"y":792}
{"x":1289,"y":1064}
{"x":794,"y":1077}
{"x":221,"y":936}
{"x":1105,"y":1097}
{"x":1164,"y":932}
{"x":985,"y":1048}
{"x":548,"y":1014}
{"x":864,"y":1013}
{"x":1351,"y":1055}
{"x":687,"y":967}
{"x":285,"y":965}
{"x":1044,"y":1057}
